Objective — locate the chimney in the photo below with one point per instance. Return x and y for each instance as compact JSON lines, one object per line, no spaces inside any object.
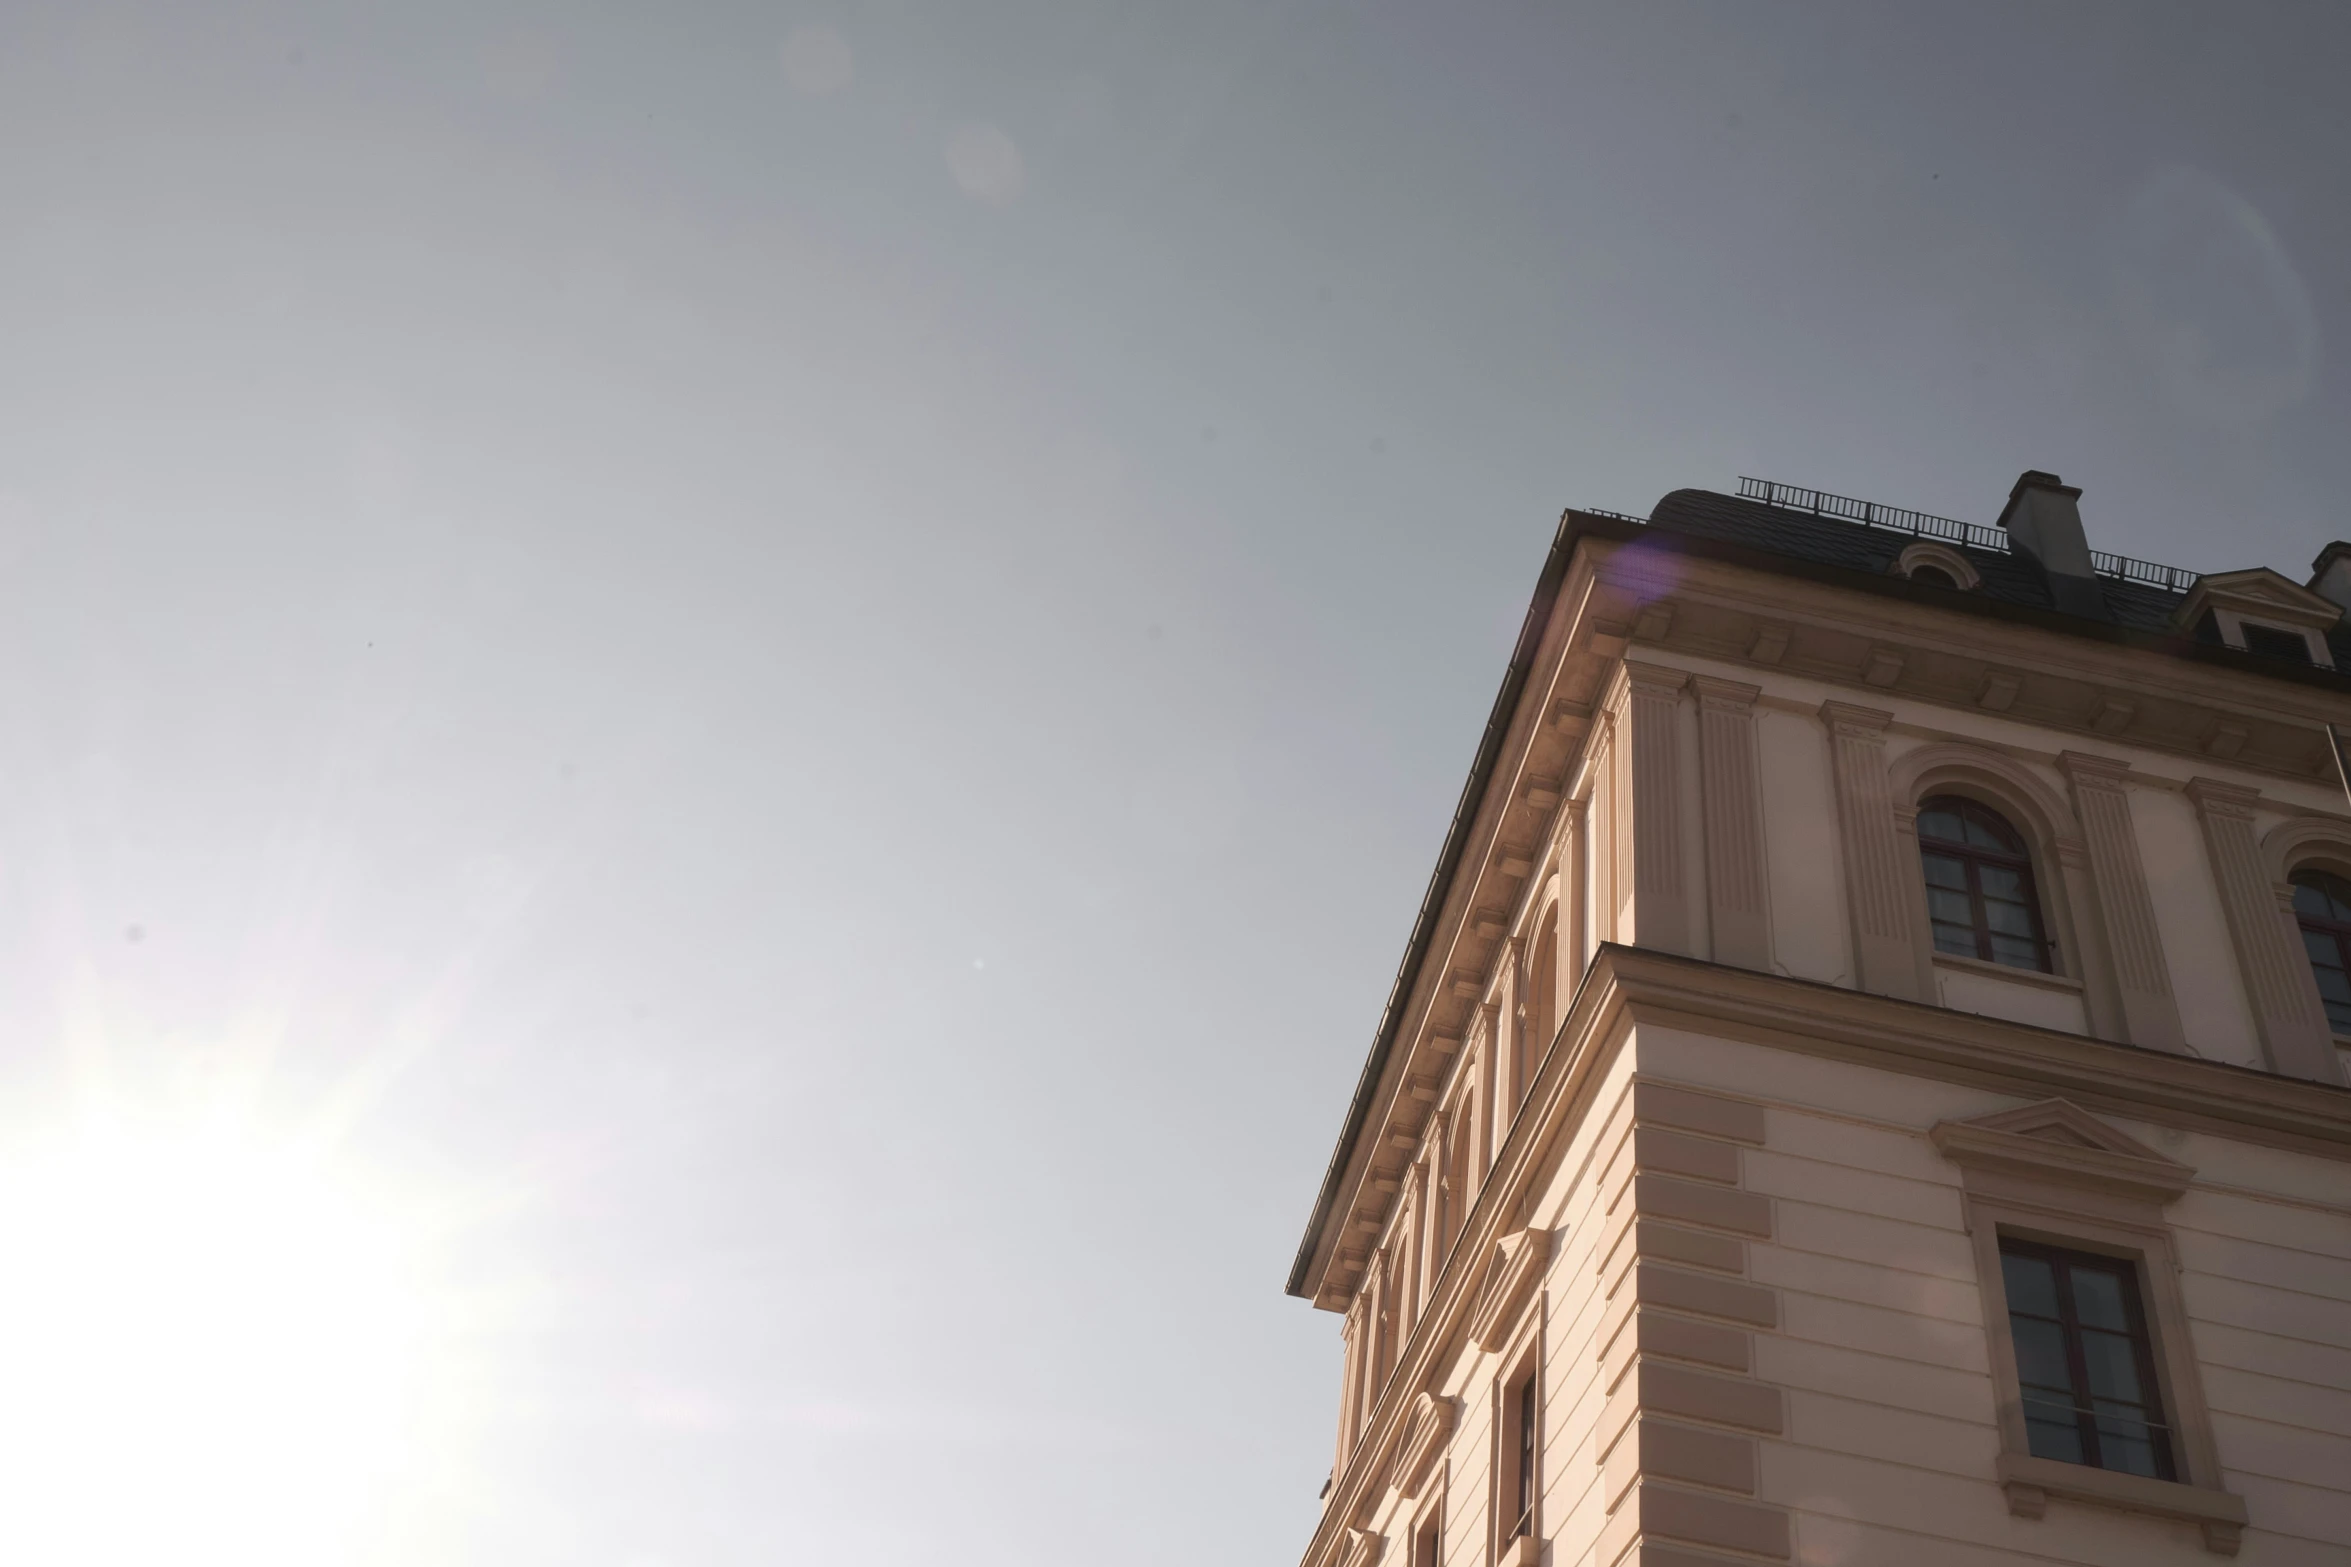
{"x":2044,"y":520}
{"x":2330,"y":574}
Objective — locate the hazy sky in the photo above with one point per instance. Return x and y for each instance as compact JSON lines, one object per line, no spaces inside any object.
{"x":808,"y":661}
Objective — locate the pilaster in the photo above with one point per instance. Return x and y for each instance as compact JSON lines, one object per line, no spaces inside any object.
{"x":1657,"y":914}
{"x":2124,"y":909}
{"x":1877,"y":881}
{"x":2260,"y":914}
{"x":1738,"y":908}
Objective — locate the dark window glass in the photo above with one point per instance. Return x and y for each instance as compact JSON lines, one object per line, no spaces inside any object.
{"x":1524,"y":1503}
{"x":1980,"y":897}
{"x":2270,"y":642}
{"x":1933,"y":577}
{"x":2084,"y":1364}
{"x":1430,"y":1547}
{"x":2322,"y":906}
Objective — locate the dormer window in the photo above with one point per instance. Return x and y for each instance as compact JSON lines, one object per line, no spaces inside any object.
{"x":2261,"y":613}
{"x":2276,"y":642}
{"x":1937,"y":566}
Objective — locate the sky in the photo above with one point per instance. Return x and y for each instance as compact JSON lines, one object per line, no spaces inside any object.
{"x":788,"y":675}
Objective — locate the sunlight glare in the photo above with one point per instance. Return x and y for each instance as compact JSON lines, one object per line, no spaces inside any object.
{"x":212,"y":1349}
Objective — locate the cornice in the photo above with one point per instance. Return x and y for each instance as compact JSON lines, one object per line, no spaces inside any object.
{"x":2155,"y":691}
{"x":2058,"y":1143}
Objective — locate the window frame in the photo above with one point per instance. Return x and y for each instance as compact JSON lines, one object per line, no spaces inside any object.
{"x":2052,"y":1174}
{"x":2065,"y":1262}
{"x":2338,"y":931}
{"x":1523,"y":1354}
{"x":1974,"y":860}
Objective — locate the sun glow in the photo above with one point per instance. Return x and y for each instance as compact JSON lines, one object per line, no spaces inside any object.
{"x":214,"y":1347}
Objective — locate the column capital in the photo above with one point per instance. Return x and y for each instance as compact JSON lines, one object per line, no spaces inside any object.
{"x":2215,"y":798}
{"x":1847,"y":721}
{"x":2098,"y":772}
{"x":1725,"y":695}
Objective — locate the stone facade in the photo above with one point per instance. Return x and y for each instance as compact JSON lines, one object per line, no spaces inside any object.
{"x":1668,"y":1224}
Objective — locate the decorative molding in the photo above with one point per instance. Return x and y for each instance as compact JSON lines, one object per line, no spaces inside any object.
{"x":2269,"y":950}
{"x":1648,"y":701}
{"x":1425,"y":1435}
{"x":1770,"y":644}
{"x":1738,"y":904}
{"x":1877,"y":883}
{"x":1518,"y":1264}
{"x":2052,"y":1172}
{"x":2301,"y":840}
{"x":1998,"y":692}
{"x":2061,"y":857}
{"x":2134,"y":943}
{"x":2029,"y":1482}
{"x":1928,"y":552}
{"x":2058,"y":1142}
{"x":1883,"y":667}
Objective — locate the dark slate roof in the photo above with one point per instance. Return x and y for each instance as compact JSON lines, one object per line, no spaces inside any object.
{"x":1832,"y":541}
{"x":2008,"y":577}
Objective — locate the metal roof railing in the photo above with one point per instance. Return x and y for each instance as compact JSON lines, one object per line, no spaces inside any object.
{"x":1919,"y":524}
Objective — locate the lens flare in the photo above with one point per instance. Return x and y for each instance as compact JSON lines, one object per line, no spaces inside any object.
{"x":214,"y":1347}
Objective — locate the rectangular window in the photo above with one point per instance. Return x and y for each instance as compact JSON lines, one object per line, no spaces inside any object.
{"x":1428,"y":1546}
{"x":1523,"y":1402}
{"x":2084,"y":1362}
{"x":2271,"y":642}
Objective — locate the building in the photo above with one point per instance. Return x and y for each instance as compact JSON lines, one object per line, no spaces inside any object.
{"x":1867,"y":1082}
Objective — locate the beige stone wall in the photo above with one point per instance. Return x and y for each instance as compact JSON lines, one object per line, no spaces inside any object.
{"x":1761,"y":1330}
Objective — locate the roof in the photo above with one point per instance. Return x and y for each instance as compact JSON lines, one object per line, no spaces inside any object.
{"x":2008,"y":577}
{"x":1766,"y":537}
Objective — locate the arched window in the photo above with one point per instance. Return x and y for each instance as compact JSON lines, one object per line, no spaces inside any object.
{"x":1933,"y":577}
{"x":1534,"y":1035}
{"x":1979,"y":877}
{"x":2322,"y":907}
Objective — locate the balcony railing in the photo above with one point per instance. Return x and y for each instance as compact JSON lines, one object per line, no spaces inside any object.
{"x":1919,"y":524}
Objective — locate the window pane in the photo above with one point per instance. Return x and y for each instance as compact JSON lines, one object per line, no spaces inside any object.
{"x":2016,"y":952}
{"x":2032,"y":1284}
{"x":1937,"y":821}
{"x":2308,"y":899}
{"x":1984,"y":834}
{"x":2097,"y":1299}
{"x":2003,"y":882}
{"x":1959,"y":939}
{"x":2127,"y":1444}
{"x":2008,"y":919}
{"x":2052,"y":1436}
{"x":1945,"y":870}
{"x":1949,"y":906}
{"x":2113,"y":1366}
{"x":2040,"y":1357}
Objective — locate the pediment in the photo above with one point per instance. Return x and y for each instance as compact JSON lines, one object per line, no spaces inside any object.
{"x":1510,"y":1278}
{"x":2059,"y":1142}
{"x":1425,"y":1436}
{"x":2262,"y":593}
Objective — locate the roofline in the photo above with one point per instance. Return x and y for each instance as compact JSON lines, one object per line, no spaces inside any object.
{"x":1574,"y":527}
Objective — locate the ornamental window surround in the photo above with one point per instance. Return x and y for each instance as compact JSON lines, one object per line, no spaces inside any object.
{"x":1982,"y":898}
{"x":2050,"y":1183}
